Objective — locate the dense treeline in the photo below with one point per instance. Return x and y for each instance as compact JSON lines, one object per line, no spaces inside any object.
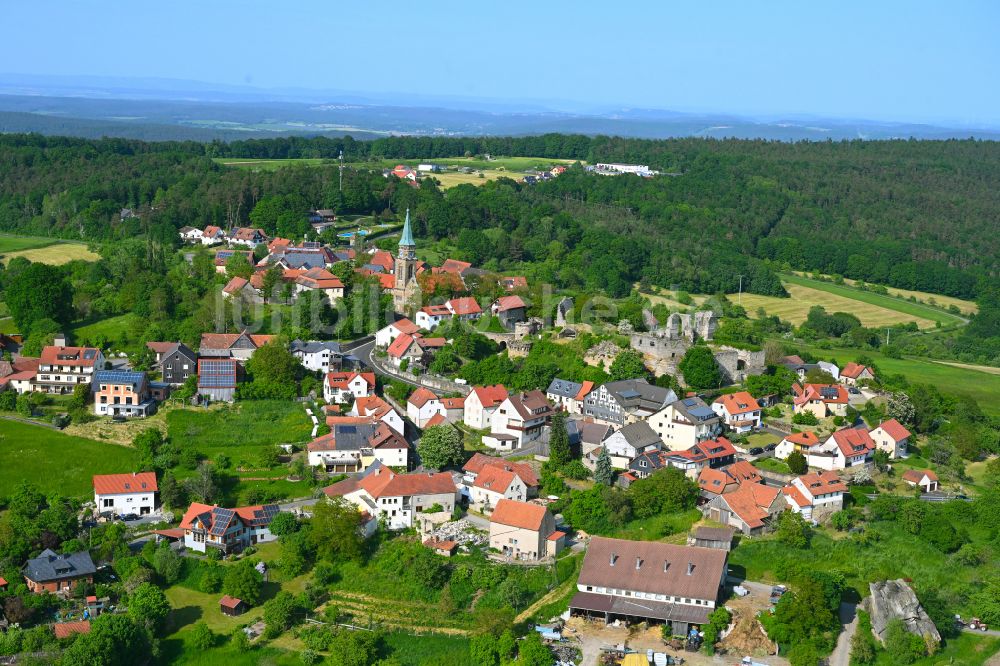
{"x":903,"y":213}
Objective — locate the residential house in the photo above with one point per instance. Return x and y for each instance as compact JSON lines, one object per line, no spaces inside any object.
{"x":523,"y":531}
{"x":924,"y":479}
{"x":801,"y":368}
{"x":322,"y":281}
{"x":344,"y":386}
{"x":413,"y":349}
{"x":160,"y":349}
{"x":568,"y":396}
{"x":218,"y":377}
{"x":626,"y":401}
{"x":720,"y":481}
{"x":855,"y":373}
{"x":509,"y":310}
{"x":518,"y":420}
{"x":354,"y":446}
{"x":820,"y":400}
{"x":712,"y":537}
{"x":61,"y":368}
{"x":222,"y":258}
{"x":232,"y":606}
{"x":247,"y":236}
{"x":455,"y":267}
{"x":684,"y":423}
{"x":318,"y":356}
{"x":890,"y":436}
{"x":378,"y":409}
{"x":586,"y":435}
{"x":191,"y":235}
{"x":126,"y":493}
{"x":712,"y":453}
{"x":641,"y":467}
{"x":385,"y":336}
{"x":480,"y":461}
{"x":454,"y":409}
{"x":481,"y":403}
{"x":422,"y":405}
{"x":240,"y":288}
{"x":815,"y":495}
{"x":465,"y":308}
{"x":514,"y":282}
{"x":19,"y":375}
{"x":397,"y":498}
{"x":52,"y":572}
{"x":738,"y":411}
{"x":845,"y":448}
{"x":649,"y":581}
{"x":751,"y":508}
{"x":212,"y":235}
{"x":239,"y":346}
{"x":404,"y":172}
{"x":177,"y":364}
{"x":624,"y":445}
{"x":495,"y":483}
{"x":122,"y":393}
{"x":429,"y":316}
{"x":227,"y":530}
{"x":797,"y":441}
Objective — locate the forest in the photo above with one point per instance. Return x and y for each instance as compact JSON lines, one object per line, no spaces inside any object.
{"x":907,"y":214}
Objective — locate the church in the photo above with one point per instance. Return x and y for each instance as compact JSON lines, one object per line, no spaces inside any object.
{"x":405,"y":289}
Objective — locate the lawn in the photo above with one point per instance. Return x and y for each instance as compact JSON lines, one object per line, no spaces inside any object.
{"x":18,"y":243}
{"x":983,"y":387}
{"x":108,"y":330}
{"x":243,"y":426}
{"x":803,"y":297}
{"x":967,"y":307}
{"x":967,"y":650}
{"x":772,"y":465}
{"x":56,"y":462}
{"x":52,"y":252}
{"x":413,"y":650}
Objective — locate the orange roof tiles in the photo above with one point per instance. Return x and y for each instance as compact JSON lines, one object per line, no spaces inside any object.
{"x":67,"y":629}
{"x":120,"y":484}
{"x":480,"y":461}
{"x":894,"y":429}
{"x":505,"y":303}
{"x":854,"y":370}
{"x":750,"y":502}
{"x":490,"y":396}
{"x":740,"y":402}
{"x":518,"y":514}
{"x":421,"y":396}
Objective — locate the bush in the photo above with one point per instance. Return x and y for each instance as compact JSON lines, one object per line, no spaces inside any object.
{"x":202,"y":637}
{"x":797,"y":463}
{"x":805,"y":418}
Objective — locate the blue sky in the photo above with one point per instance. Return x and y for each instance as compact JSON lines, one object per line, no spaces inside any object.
{"x":892,"y":60}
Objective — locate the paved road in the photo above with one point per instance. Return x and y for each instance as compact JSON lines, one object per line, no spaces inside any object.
{"x":364,"y":352}
{"x":849,"y":620}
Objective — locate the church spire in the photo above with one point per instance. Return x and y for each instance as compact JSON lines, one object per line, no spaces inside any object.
{"x":407,"y":238}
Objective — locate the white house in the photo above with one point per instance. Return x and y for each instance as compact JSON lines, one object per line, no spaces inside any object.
{"x":684,"y":423}
{"x":845,"y":448}
{"x":429,"y":316}
{"x":227,"y":530}
{"x":385,"y":336}
{"x":855,"y":373}
{"x":481,"y":403}
{"x":812,"y":494}
{"x":212,"y":235}
{"x":191,"y":235}
{"x":518,"y":420}
{"x":126,"y":493}
{"x":398,"y":498}
{"x":464,"y":308}
{"x":355,"y":444}
{"x":340,"y":387}
{"x":629,"y":442}
{"x":376,"y":408}
{"x":738,"y":410}
{"x":890,"y":436}
{"x":924,"y":479}
{"x":567,"y":395}
{"x":315,"y":355}
{"x":796,"y":441}
{"x":422,"y":406}
{"x":493,"y":484}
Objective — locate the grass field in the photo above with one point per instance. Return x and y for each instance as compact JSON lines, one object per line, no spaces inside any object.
{"x":112,"y":329}
{"x":967,"y":307}
{"x":982,"y":386}
{"x":240,"y":429}
{"x":43,"y":250}
{"x":56,"y":462}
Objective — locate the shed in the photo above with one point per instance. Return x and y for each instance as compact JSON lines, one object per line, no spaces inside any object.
{"x":232,"y":606}
{"x":712,"y":537}
{"x":442,"y":547}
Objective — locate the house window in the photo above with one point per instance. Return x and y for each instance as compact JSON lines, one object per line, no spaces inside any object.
{"x":107,"y":502}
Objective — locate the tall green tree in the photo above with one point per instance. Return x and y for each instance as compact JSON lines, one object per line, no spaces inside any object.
{"x":699,"y":368}
{"x":335,"y":530}
{"x":440,"y":447}
{"x":628,"y":364}
{"x":39,"y":292}
{"x":603,"y":472}
{"x":559,"y":451}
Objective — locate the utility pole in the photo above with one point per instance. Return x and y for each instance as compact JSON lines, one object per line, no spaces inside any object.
{"x":341,"y":170}
{"x":740,"y":297}
{"x":887,"y":337}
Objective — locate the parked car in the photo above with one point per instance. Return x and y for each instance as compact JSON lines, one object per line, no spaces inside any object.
{"x":756,"y":451}
{"x":130,"y":516}
{"x":771,"y":447}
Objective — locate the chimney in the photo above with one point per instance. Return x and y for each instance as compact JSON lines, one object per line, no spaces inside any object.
{"x":690,"y":568}
{"x":638,"y":563}
{"x":614,"y":557}
{"x":666,"y":565}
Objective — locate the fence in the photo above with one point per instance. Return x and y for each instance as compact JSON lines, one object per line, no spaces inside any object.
{"x":429,"y":381}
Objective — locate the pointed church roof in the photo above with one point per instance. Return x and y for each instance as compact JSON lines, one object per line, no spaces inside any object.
{"x":407,"y":237}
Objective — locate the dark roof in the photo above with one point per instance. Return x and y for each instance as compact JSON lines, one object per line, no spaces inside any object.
{"x":313,"y":346}
{"x":133,"y":377}
{"x":181,"y":349}
{"x":640,"y":393}
{"x":564,"y":388}
{"x":640,"y":435}
{"x":695,"y":409}
{"x":52,"y":566}
{"x":660,"y":610}
{"x":714,"y":533}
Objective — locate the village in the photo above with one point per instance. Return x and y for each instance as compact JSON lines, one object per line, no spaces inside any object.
{"x":467,"y":468}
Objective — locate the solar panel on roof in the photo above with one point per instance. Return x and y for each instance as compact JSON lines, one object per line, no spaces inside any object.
{"x":219,"y":373}
{"x":89,"y":354}
{"x":221,"y":522}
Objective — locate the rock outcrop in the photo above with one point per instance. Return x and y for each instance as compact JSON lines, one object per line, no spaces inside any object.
{"x":893,"y":599}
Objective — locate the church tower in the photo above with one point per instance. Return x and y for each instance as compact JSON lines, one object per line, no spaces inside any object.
{"x":406,"y":268}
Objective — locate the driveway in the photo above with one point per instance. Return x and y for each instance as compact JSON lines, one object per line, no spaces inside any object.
{"x":849,"y":621}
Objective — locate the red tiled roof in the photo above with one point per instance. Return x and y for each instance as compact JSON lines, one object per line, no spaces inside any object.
{"x":815,"y":392}
{"x":750,"y":502}
{"x":490,"y":396}
{"x":319,"y":278}
{"x":431,"y":343}
{"x":161,"y":347}
{"x":420,"y":397}
{"x":720,"y":447}
{"x":714,"y":480}
{"x":400,"y":345}
{"x":51,"y":356}
{"x":505,"y":303}
{"x":894,"y":429}
{"x":555,"y":536}
{"x":435,"y":420}
{"x":820,"y":483}
{"x":455,"y":266}
{"x":917,"y":475}
{"x":795,"y":495}
{"x":235,"y":285}
{"x":342,"y":380}
{"x":405,"y":326}
{"x":439,"y":544}
{"x":495,"y":478}
{"x":744,"y":472}
{"x":372,"y":405}
{"x":436,"y":310}
{"x":67,"y":629}
{"x":120,"y":484}
{"x":805,"y":438}
{"x":229,"y":602}
{"x":247,"y":233}
{"x":740,"y":402}
{"x":853,"y":441}
{"x":211,"y":230}
{"x":385,"y":483}
{"x":195,"y":510}
{"x":384,"y":259}
{"x":518,"y":514}
{"x":585,"y":388}
{"x":854,"y":370}
{"x":480,"y":461}
{"x":386,"y":280}
{"x":453,"y":403}
{"x":464,"y":306}
{"x":226,"y":340}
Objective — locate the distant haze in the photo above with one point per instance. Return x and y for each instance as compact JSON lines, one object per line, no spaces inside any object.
{"x":891,"y":61}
